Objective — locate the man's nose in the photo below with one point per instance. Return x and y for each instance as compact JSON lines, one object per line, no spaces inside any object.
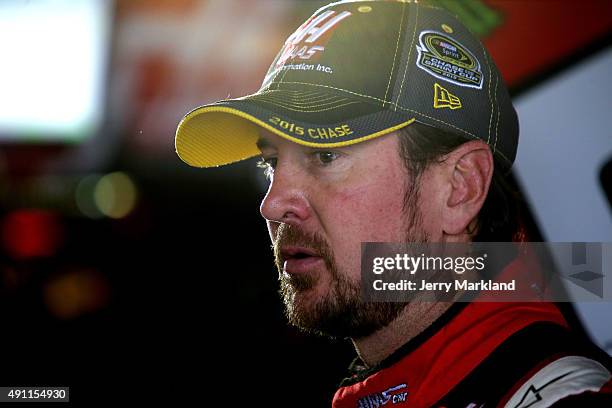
{"x":286,"y":200}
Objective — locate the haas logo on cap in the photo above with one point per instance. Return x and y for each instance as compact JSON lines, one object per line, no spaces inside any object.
{"x":311,"y":37}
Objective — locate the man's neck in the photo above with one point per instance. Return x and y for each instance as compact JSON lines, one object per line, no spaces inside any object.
{"x":415,"y":318}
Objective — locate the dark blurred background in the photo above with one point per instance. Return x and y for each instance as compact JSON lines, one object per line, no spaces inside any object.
{"x":126,"y":274}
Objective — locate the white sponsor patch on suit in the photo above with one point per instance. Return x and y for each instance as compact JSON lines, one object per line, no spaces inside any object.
{"x":566,"y":376}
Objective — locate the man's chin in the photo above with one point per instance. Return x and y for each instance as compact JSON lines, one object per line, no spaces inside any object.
{"x":303,"y":318}
{"x":330,"y":304}
{"x":303,"y":307}
{"x":315,"y":312}
{"x":310,"y":296}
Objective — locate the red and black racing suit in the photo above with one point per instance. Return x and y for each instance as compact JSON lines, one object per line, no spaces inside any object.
{"x":487,"y":354}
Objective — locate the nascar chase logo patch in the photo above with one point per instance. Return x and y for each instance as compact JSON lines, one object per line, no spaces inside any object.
{"x":446,"y":59}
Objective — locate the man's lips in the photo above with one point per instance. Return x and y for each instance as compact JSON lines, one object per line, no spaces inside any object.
{"x":298,"y":260}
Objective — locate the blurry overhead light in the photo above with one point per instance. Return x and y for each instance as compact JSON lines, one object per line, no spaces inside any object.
{"x":115,"y":195}
{"x":53,"y":52}
{"x":84,"y":197}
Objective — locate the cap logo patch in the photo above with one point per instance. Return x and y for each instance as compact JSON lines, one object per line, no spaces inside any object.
{"x":445,"y":99}
{"x":448,"y":60}
{"x":310,"y":38}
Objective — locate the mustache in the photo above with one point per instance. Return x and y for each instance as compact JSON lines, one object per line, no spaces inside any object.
{"x":290,"y":235}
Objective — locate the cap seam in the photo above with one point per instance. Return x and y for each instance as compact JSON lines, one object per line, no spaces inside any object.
{"x":269,"y":91}
{"x":497,"y":79}
{"x":399,"y":35}
{"x":311,"y":103}
{"x":309,"y":108}
{"x":278,"y":84}
{"x":340,"y":89}
{"x":486,"y":59}
{"x":312,"y":111}
{"x":416,"y":22}
{"x":312,"y":96}
{"x":294,"y":91}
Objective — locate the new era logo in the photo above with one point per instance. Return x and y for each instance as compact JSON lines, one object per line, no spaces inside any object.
{"x":444,"y":99}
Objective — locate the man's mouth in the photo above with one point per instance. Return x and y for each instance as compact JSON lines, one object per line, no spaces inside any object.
{"x":297,"y":260}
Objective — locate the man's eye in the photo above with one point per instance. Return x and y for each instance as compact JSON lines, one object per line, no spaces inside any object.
{"x":267,"y":163}
{"x":326,"y":157}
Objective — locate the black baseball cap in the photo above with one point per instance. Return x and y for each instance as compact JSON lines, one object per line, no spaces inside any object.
{"x":357,"y":70}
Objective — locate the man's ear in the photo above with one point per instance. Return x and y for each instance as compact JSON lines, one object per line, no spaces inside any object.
{"x":469,"y":169}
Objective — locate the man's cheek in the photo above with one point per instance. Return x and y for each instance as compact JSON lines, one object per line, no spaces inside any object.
{"x":378,"y":203}
{"x":370,"y":197}
{"x":347,"y":256}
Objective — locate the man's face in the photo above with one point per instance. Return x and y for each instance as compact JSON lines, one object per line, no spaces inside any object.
{"x":320,"y":206}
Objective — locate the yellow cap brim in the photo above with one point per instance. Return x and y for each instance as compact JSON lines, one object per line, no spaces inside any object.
{"x":215,"y":135}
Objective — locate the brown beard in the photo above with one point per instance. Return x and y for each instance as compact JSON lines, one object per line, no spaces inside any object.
{"x":340,"y":312}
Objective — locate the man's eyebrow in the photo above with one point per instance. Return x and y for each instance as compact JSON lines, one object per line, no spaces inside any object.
{"x":263,"y":143}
